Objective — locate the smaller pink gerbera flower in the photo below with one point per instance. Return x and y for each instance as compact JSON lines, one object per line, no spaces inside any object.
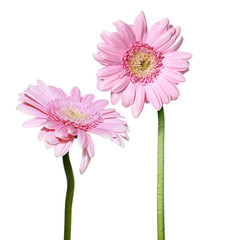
{"x":65,"y":118}
{"x":141,"y":66}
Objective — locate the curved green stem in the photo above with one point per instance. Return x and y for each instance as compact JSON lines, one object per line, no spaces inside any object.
{"x":69,"y":196}
{"x":160,"y":176}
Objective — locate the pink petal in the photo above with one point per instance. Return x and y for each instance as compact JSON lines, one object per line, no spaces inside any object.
{"x":46,"y":90}
{"x":103,"y":132}
{"x":172,"y":75}
{"x":34,"y":122}
{"x":176,"y":64}
{"x":90,"y":147}
{"x":171,"y":41}
{"x":146,"y":98}
{"x":115,"y":97}
{"x":126,"y":32}
{"x":112,"y":58}
{"x":178,"y":55}
{"x":106,"y":85}
{"x":109,"y":59}
{"x":171,"y":88}
{"x":164,"y":38}
{"x":165,"y":98}
{"x":113,"y":126}
{"x":100,"y":59}
{"x":122,"y":74}
{"x":54,"y":92}
{"x":157,"y":31}
{"x":72,"y":130}
{"x":87,"y":99}
{"x":128,"y":95}
{"x":183,"y":72}
{"x":35,"y":93}
{"x":63,"y":147}
{"x":31,"y":110}
{"x":119,"y":41}
{"x":138,"y":104}
{"x":52,"y":124}
{"x":100,"y":104}
{"x":105,"y":37}
{"x":153,"y":27}
{"x":108,"y":71}
{"x":82,"y":138}
{"x":124,"y":135}
{"x":28,"y":101}
{"x":153,"y":96}
{"x":62,"y":93}
{"x":111,"y":115}
{"x":111,"y":77}
{"x":43,"y":134}
{"x":85,"y":161}
{"x":115,"y":121}
{"x":104,"y":47}
{"x":35,"y":97}
{"x":140,"y":27}
{"x":164,"y":85}
{"x":166,"y":90}
{"x":23,"y":97}
{"x":120,"y":85}
{"x":107,"y":111}
{"x":48,"y":145}
{"x":75,"y":94}
{"x":62,"y":132}
{"x":51,"y":138}
{"x":58,"y":93}
{"x":115,"y":40}
{"x":118,"y":141}
{"x":176,"y":46}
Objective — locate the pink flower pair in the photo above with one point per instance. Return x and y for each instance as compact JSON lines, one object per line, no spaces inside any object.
{"x":140,"y":66}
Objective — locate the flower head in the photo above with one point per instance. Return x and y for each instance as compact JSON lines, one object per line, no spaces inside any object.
{"x":141,"y":66}
{"x":65,"y":118}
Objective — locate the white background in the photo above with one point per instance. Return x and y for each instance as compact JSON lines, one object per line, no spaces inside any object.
{"x":116,"y":197}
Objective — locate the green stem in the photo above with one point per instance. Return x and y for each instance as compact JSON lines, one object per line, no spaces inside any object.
{"x":160,"y":176}
{"x":69,"y":195}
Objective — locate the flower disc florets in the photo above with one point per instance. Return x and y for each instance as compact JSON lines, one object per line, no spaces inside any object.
{"x":75,"y":114}
{"x":142,"y":63}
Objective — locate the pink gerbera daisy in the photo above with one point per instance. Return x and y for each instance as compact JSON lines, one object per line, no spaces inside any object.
{"x":65,"y":118}
{"x":141,"y":66}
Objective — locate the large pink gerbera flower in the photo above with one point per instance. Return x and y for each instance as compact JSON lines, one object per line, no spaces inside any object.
{"x":141,"y":66}
{"x":66,"y":117}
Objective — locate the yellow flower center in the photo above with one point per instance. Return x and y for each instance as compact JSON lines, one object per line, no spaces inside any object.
{"x":142,"y":63}
{"x":73,"y":114}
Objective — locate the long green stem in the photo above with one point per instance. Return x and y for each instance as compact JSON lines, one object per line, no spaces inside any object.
{"x":69,"y":196}
{"x":160,"y":176}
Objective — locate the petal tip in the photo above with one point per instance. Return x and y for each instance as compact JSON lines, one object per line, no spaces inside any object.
{"x":141,"y":13}
{"x":57,"y":155}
